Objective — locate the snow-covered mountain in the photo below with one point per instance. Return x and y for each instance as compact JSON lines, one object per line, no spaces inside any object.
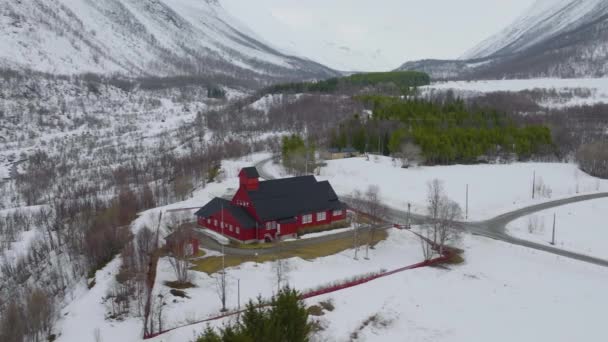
{"x":545,"y":20}
{"x":554,"y":38}
{"x":138,"y":37}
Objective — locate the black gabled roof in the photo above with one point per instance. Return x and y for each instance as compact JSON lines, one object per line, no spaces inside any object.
{"x":251,"y":172}
{"x":281,"y":199}
{"x":216,"y":204}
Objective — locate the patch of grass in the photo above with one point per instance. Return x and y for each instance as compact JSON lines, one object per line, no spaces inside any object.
{"x":327,"y":305}
{"x":375,"y":320}
{"x":456,"y":256}
{"x":315,"y":310}
{"x":455,"y":259}
{"x":179,"y":285}
{"x":316,"y":326}
{"x":251,"y":245}
{"x":179,"y":293}
{"x":213,"y":264}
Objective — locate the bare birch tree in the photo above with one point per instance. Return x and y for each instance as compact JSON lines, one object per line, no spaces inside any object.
{"x":221,"y":287}
{"x":410,"y":154}
{"x":375,"y":210}
{"x":179,"y":255}
{"x":444,"y":215}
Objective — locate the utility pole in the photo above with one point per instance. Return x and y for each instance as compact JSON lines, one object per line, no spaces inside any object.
{"x":466,"y":215}
{"x":533,"y":183}
{"x":553,"y":235}
{"x":223,"y":275}
{"x":238,"y":296}
{"x":355,"y":224}
{"x":306,"y":162}
{"x":409,"y":216}
{"x":367,"y":244}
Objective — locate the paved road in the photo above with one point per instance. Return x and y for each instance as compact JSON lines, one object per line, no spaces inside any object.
{"x":494,"y":228}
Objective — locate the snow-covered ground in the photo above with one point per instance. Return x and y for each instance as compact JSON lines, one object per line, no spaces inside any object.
{"x":493,"y":189}
{"x":597,"y":89}
{"x":499,"y":286}
{"x":259,"y":278}
{"x":501,"y":293}
{"x":86,"y":313}
{"x":580,"y":227}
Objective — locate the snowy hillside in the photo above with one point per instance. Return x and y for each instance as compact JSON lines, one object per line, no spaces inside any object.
{"x":554,"y":38}
{"x":543,"y":21}
{"x":138,"y":37}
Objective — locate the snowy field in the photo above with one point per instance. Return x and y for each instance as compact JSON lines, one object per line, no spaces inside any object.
{"x":580,"y":227}
{"x":259,"y":278}
{"x":493,"y":189}
{"x":86,"y":314}
{"x":501,"y":293}
{"x":432,"y":304}
{"x":597,"y":88}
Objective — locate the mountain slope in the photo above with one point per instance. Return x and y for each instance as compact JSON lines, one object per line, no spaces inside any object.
{"x":138,"y":37}
{"x":545,"y":20}
{"x":556,"y":38}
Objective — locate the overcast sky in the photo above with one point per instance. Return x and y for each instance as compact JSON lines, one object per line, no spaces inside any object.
{"x":375,"y":34}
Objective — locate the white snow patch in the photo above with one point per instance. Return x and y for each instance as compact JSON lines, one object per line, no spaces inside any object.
{"x":597,"y":86}
{"x":493,"y":189}
{"x":580,"y":227}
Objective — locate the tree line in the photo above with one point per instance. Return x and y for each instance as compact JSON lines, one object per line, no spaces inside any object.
{"x":403,"y":81}
{"x":446,"y":133}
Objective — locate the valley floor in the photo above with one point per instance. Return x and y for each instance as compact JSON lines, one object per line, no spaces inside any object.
{"x":563,"y":92}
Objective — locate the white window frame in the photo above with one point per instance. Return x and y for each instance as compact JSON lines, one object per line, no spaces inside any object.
{"x":306,"y":218}
{"x":208,"y":220}
{"x":238,"y":230}
{"x":337,"y":212}
{"x":321,"y":216}
{"x":230,"y":227}
{"x":215,"y":223}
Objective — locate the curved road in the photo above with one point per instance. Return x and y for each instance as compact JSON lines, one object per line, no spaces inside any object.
{"x":494,"y":228}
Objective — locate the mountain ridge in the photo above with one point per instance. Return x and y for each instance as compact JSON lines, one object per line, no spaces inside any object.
{"x":140,"y":38}
{"x":568,"y":39}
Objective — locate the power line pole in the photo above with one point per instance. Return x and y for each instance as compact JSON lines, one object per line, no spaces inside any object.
{"x":355,"y":224}
{"x":553,"y":235}
{"x":306,"y":162}
{"x":409,"y":216}
{"x":533,"y":184}
{"x":466,"y":215}
{"x":368,"y":243}
{"x":223,"y":275}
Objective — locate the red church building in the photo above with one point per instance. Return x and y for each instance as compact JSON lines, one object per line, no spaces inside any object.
{"x":266,"y":210}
